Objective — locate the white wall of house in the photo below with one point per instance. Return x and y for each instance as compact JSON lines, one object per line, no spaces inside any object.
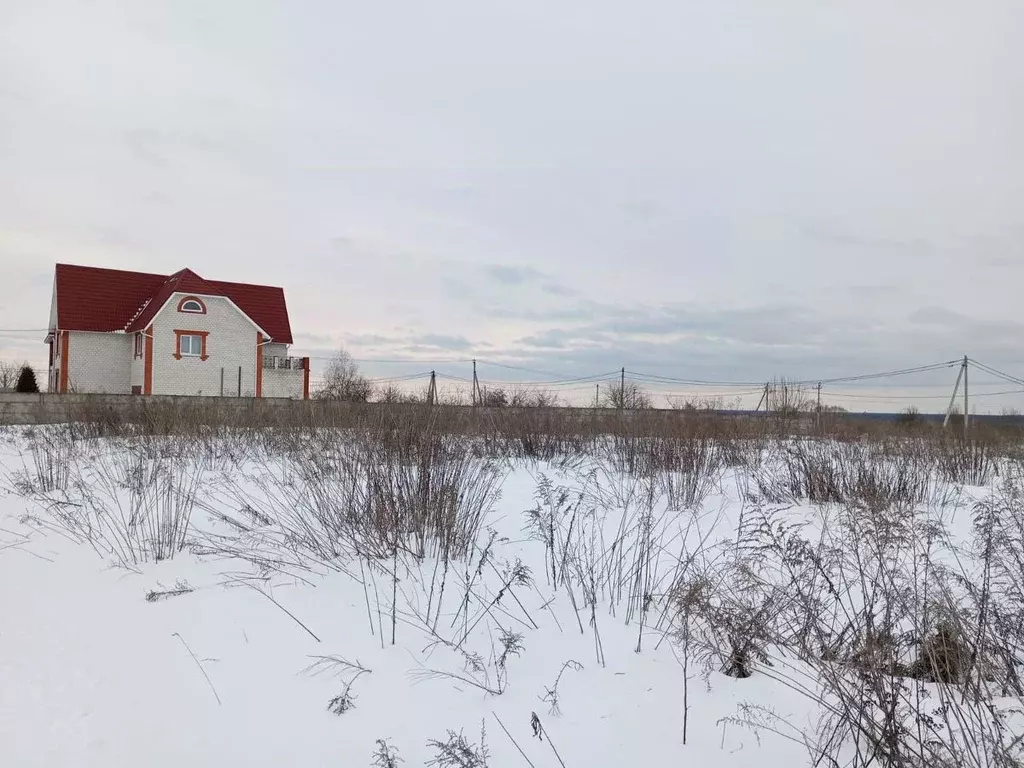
{"x":283,"y":383}
{"x":99,"y":362}
{"x":230,"y":346}
{"x":138,"y":363}
{"x":275,"y":350}
{"x":280,"y":382}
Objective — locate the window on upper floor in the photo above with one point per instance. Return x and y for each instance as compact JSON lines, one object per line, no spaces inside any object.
{"x":191,"y":346}
{"x":138,"y":344}
{"x":192,"y":305}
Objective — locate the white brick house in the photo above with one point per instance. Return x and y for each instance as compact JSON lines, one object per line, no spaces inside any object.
{"x":121,"y":332}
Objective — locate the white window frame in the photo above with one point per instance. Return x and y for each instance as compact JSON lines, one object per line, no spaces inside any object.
{"x":190,"y":341}
{"x":195,"y":303}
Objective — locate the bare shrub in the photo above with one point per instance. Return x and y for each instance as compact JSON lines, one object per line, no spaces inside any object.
{"x":551,"y":697}
{"x":494,"y":397}
{"x":386,"y":755}
{"x":456,"y":751}
{"x":370,"y":494}
{"x":896,"y":644}
{"x":519,"y":397}
{"x":52,"y":450}
{"x":909,"y":417}
{"x":347,"y":671}
{"x":392,"y":394}
{"x":829,"y":471}
{"x":967,"y":461}
{"x":693,"y":472}
{"x":180,"y":588}
{"x":788,"y":399}
{"x":630,"y":397}
{"x":133,"y":502}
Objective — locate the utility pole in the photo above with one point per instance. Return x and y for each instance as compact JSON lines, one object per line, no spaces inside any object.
{"x":764,"y":396}
{"x":966,"y":404}
{"x":476,"y":386}
{"x":819,"y":406}
{"x":956,"y":389}
{"x":622,"y":389}
{"x":597,"y":396}
{"x":432,"y":389}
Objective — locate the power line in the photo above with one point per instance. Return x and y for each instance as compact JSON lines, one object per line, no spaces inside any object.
{"x":746,"y":393}
{"x":556,"y":376}
{"x":397,"y":379}
{"x":995,"y":372}
{"x":890,"y":374}
{"x":797,"y":382}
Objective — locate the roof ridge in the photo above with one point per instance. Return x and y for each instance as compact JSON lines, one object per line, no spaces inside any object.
{"x":138,"y":313}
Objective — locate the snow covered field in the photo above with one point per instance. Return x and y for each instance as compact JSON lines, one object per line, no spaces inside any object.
{"x":343,"y":599}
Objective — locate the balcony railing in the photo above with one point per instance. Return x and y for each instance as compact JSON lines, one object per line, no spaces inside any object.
{"x":284,"y":363}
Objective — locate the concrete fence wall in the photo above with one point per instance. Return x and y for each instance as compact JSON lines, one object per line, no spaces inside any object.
{"x":52,"y":408}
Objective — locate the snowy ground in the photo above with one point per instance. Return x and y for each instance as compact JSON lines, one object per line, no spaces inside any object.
{"x":243,"y":668}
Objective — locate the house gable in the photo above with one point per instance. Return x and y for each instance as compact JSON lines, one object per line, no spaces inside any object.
{"x":172,"y":305}
{"x":209,"y":353}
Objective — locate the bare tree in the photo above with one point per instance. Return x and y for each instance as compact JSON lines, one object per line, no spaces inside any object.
{"x":788,"y":398}
{"x":9,"y":373}
{"x":342,"y":380}
{"x":630,"y":397}
{"x":521,"y":397}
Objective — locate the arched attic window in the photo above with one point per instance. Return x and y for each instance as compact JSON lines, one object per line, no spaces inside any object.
{"x":192,"y":305}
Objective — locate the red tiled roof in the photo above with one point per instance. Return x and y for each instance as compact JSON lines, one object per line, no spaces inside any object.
{"x":97,"y":299}
{"x":265,"y":304}
{"x":183,"y":281}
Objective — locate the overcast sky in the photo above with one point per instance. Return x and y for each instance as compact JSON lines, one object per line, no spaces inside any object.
{"x":719,"y":190}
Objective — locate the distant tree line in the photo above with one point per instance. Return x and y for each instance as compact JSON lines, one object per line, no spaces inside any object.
{"x":343,"y":381}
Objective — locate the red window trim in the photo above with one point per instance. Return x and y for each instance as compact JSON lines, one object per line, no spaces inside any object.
{"x":177,"y":343}
{"x":197,"y":300}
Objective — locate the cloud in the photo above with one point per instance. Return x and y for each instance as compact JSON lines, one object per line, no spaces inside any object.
{"x":509,"y":275}
{"x":440,"y":341}
{"x":836,"y":235}
{"x":936,"y":316}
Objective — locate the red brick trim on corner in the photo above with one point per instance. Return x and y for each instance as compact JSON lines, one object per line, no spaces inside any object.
{"x":177,"y":343}
{"x":64,"y":360}
{"x":305,"y":378}
{"x":259,"y":364}
{"x":197,"y":300}
{"x":147,"y":382}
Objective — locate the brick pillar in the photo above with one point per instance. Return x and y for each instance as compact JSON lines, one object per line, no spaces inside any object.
{"x":259,"y":364}
{"x":147,"y":380}
{"x":65,"y":361}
